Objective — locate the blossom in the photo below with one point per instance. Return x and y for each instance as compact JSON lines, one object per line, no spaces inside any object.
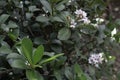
{"x":96,"y":59}
{"x":73,"y":23}
{"x":86,"y":20}
{"x":80,"y":13}
{"x":82,"y":16}
{"x":113,"y":32}
{"x":70,"y":1}
{"x":99,"y":20}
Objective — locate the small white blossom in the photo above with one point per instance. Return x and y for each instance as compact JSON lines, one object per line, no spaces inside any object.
{"x":86,"y":20}
{"x":82,"y":16}
{"x":80,"y":13}
{"x":95,"y":25}
{"x":96,"y":59}
{"x":27,"y":63}
{"x":71,"y":1}
{"x":73,"y":23}
{"x":99,"y":20}
{"x":114,"y":31}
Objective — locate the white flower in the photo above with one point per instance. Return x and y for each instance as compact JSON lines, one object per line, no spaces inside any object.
{"x":86,"y":20}
{"x":80,"y":13}
{"x":70,"y":1}
{"x":95,"y":25}
{"x":82,"y":16}
{"x":96,"y":59}
{"x":99,"y":20}
{"x":114,"y":31}
{"x":27,"y":63}
{"x":73,"y":23}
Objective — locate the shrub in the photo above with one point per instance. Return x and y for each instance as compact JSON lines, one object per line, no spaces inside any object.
{"x":57,"y":40}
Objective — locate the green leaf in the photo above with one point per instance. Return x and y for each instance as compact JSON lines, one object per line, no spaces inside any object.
{"x":60,"y":7}
{"x":46,"y":5}
{"x":50,"y":59}
{"x":14,"y":56}
{"x":27,"y":49}
{"x":56,"y":48}
{"x":12,"y":24}
{"x":118,"y":75}
{"x":19,"y":63}
{"x":29,"y":15}
{"x":33,"y":8}
{"x":79,"y":72}
{"x":1,"y":38}
{"x":64,"y":34}
{"x":38,"y":54}
{"x":33,"y":75}
{"x":68,"y":73}
{"x":4,"y":27}
{"x":58,"y":75}
{"x":42,"y":19}
{"x":91,"y":70}
{"x":56,"y":18}
{"x":117,"y":21}
{"x":5,"y":50}
{"x":39,"y":41}
{"x":3,"y":18}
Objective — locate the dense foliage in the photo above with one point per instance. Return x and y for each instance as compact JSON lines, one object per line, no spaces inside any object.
{"x":57,"y":40}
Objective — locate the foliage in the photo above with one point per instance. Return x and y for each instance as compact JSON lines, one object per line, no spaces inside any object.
{"x":44,"y":39}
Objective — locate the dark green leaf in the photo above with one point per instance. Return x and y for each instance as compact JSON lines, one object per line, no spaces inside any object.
{"x":33,"y":75}
{"x":46,"y":5}
{"x":60,"y":7}
{"x":79,"y":72}
{"x":64,"y":34}
{"x":42,"y":19}
{"x":3,"y":18}
{"x":18,"y":64}
{"x":14,"y":56}
{"x":5,"y":50}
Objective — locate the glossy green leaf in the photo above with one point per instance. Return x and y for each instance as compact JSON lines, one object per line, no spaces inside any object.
{"x":38,"y":54}
{"x":33,"y":75}
{"x":42,"y":19}
{"x":5,"y":50}
{"x":12,"y":24}
{"x":60,"y":7}
{"x":68,"y":73}
{"x":79,"y":72}
{"x":56,"y":48}
{"x":58,"y":75}
{"x":64,"y":34}
{"x":3,"y":18}
{"x":56,"y":18}
{"x":27,"y":49}
{"x":47,"y":6}
{"x":33,"y":8}
{"x":14,"y":56}
{"x":18,"y":63}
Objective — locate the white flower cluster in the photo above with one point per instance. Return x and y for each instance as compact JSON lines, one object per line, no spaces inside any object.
{"x":96,"y":59}
{"x":82,"y":15}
